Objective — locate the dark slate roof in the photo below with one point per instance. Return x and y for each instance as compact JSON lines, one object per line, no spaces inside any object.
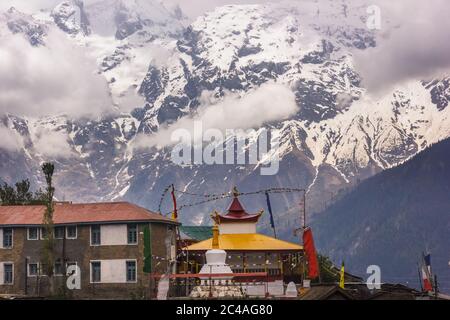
{"x":326,"y":292}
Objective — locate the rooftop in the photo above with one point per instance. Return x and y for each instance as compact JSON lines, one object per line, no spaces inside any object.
{"x":197,"y":233}
{"x":79,"y":213}
{"x":236,"y":213}
{"x":246,"y":242}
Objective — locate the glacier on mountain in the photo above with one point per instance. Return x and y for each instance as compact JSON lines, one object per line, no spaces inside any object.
{"x":157,"y":66}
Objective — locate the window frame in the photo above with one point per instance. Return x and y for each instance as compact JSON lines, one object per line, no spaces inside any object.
{"x":38,"y":232}
{"x":135,"y":271}
{"x":67,"y":232}
{"x":63,"y":232}
{"x":3,"y":238}
{"x":91,"y":273}
{"x":136,"y":235}
{"x":41,"y":233}
{"x":11,"y":283}
{"x":91,"y":234}
{"x":29,"y":275}
{"x":54,"y":269}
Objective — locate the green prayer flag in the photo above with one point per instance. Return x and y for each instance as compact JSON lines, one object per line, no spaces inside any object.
{"x":147,"y":249}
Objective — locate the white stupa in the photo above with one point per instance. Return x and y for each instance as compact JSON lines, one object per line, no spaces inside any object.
{"x":215,"y":264}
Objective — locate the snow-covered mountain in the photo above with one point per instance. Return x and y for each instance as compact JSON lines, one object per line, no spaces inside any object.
{"x":158,"y":66}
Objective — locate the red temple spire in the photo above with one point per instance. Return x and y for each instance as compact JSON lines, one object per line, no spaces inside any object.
{"x":236,"y":212}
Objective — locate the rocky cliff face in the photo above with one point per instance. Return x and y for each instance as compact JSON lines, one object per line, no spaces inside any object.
{"x":159,"y":66}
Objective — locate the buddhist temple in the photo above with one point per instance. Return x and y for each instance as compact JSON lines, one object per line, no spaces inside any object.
{"x":248,"y":251}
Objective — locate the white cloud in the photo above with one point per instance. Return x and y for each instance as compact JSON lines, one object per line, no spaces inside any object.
{"x":412,"y":45}
{"x":192,"y":8}
{"x":52,"y":144}
{"x":54,"y":79}
{"x":195,"y":8}
{"x":10,"y":140}
{"x":270,"y":102}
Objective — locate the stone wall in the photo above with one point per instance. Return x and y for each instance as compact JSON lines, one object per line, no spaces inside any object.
{"x":79,"y":250}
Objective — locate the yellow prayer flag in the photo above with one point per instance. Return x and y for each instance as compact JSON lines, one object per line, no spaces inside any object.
{"x":342,"y":278}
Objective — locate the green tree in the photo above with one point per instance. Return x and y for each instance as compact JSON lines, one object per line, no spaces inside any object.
{"x":40,"y":196}
{"x":328,"y":272}
{"x":20,"y":194}
{"x":7,"y":194}
{"x":48,"y":252}
{"x":23,"y":193}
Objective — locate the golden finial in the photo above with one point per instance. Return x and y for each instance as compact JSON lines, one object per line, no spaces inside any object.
{"x":235,"y":192}
{"x":215,"y":239}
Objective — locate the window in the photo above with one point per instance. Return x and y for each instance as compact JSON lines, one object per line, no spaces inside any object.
{"x":33,"y":269}
{"x":7,"y":238}
{"x":71,"y":232}
{"x":43,"y":269}
{"x":59,"y":232}
{"x":58,"y":271}
{"x":131,"y":271}
{"x":33,"y":233}
{"x":8,"y":273}
{"x":96,"y":275}
{"x":95,"y":235}
{"x":43,"y":233}
{"x":132,"y":233}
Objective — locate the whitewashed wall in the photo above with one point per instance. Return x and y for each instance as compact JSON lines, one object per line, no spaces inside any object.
{"x":114,"y":271}
{"x":237,"y":228}
{"x":275,"y":288}
{"x":113,"y":235}
{"x":1,"y":240}
{"x":1,"y":272}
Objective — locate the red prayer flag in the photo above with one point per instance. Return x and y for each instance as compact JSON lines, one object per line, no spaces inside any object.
{"x":310,"y":251}
{"x":426,"y":274}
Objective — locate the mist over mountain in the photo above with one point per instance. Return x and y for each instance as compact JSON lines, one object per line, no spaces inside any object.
{"x":99,"y":78}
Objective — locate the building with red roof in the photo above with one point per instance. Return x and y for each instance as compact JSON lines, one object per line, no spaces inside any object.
{"x":112,"y":246}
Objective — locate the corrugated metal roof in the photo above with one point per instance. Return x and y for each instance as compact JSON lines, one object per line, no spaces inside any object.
{"x":197,"y":233}
{"x":72,"y":213}
{"x":246,"y":242}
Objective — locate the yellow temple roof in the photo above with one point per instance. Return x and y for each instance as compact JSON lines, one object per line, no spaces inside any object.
{"x":246,"y":242}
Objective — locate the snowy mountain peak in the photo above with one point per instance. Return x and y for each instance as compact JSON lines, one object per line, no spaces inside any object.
{"x":18,"y":22}
{"x":71,"y":17}
{"x":125,"y":18}
{"x":162,"y":71}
